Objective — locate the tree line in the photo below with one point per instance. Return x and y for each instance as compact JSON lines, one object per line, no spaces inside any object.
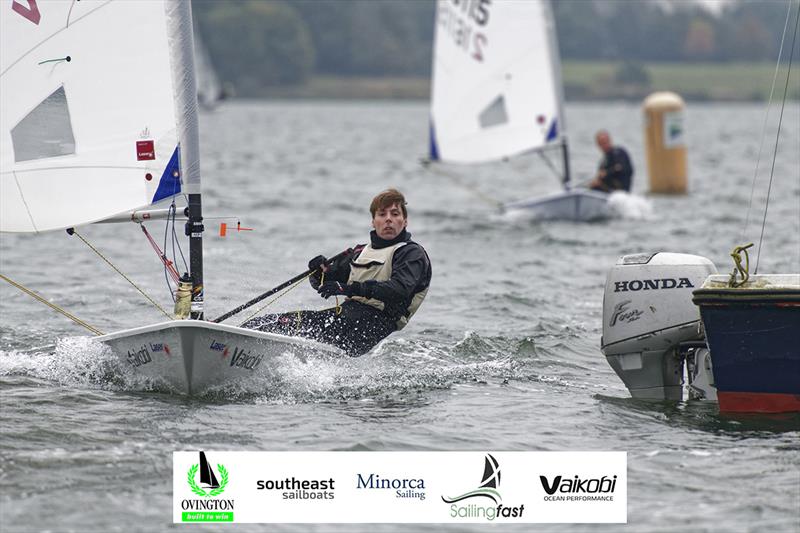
{"x":258,"y":43}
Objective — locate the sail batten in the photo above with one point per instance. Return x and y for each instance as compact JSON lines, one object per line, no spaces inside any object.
{"x":89,"y":112}
{"x":496,"y":81}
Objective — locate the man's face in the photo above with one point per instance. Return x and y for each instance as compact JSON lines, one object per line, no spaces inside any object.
{"x":389,"y":222}
{"x":604,"y":142}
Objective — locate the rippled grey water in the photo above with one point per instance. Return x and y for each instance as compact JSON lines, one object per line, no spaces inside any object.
{"x":503,"y":355}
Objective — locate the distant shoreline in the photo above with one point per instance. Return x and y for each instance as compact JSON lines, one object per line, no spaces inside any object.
{"x":583,"y":81}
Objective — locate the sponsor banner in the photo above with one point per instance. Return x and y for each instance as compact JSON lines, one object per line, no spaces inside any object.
{"x":400,"y":487}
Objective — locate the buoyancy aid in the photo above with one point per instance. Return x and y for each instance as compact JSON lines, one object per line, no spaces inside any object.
{"x":376,"y":264}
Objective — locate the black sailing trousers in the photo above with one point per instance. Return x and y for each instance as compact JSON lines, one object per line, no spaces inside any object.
{"x":356,"y":329}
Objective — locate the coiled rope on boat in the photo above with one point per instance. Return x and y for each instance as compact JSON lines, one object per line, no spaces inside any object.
{"x":738,"y":270}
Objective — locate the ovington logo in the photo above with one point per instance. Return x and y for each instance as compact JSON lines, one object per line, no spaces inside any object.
{"x":207,"y":478}
{"x":207,"y":508}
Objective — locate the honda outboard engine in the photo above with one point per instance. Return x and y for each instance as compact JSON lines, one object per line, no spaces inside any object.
{"x":648,"y":315}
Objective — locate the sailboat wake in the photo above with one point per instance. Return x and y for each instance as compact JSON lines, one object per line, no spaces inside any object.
{"x":629,"y":206}
{"x":74,"y":361}
{"x":396,"y":370}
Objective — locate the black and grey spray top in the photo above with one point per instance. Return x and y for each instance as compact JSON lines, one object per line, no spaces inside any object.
{"x":394,"y":275}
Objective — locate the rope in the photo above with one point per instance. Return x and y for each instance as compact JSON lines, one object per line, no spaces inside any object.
{"x":176,"y":243}
{"x":777,"y":136}
{"x":456,"y":180}
{"x":738,"y":269}
{"x":549,"y":164}
{"x":764,"y":126}
{"x":338,"y":307}
{"x":52,"y":306}
{"x":168,"y":265}
{"x":278,"y":297}
{"x":75,"y":232}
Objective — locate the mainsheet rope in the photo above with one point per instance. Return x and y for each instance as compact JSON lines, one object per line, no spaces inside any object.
{"x":436,"y":169}
{"x":52,"y":305}
{"x":73,"y":231}
{"x":285,"y":292}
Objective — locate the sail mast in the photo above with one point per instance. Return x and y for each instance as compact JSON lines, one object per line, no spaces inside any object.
{"x":555,"y":62}
{"x":565,"y":152}
{"x":179,"y":17}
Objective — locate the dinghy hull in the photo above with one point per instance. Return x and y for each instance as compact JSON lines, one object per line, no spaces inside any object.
{"x":581,"y":205}
{"x":192,"y":356}
{"x":753,"y":333}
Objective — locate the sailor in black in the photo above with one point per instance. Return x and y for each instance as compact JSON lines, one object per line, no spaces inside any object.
{"x":384,"y":283}
{"x":615,"y":171}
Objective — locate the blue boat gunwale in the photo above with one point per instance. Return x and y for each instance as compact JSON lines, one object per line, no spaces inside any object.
{"x":788,"y":297}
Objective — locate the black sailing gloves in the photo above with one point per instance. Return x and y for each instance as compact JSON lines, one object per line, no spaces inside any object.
{"x":335,"y":288}
{"x":335,"y":278}
{"x":316,"y":265}
{"x":317,"y":262}
{"x":330,"y":288}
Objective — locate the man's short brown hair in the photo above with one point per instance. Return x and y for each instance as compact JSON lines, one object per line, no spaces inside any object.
{"x":387,"y":199}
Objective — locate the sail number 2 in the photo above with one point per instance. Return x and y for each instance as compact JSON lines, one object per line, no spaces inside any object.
{"x":461,"y":20}
{"x":31,"y":12}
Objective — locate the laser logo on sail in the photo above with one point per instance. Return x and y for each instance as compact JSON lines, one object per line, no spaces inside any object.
{"x":145,"y":150}
{"x":488,"y":489}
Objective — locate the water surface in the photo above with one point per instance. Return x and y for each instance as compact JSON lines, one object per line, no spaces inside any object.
{"x":503,"y":355}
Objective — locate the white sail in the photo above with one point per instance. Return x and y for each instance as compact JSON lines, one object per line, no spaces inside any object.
{"x":496,"y":80}
{"x":91,"y":96}
{"x":209,"y":88}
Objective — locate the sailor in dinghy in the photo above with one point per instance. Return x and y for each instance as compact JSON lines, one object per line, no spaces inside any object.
{"x":384,"y":283}
{"x":616,"y":171}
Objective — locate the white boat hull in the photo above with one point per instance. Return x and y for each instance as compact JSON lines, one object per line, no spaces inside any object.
{"x":575,"y":204}
{"x":192,"y":356}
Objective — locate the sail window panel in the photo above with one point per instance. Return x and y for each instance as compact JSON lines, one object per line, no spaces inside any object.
{"x":46,"y":131}
{"x":495,"y":113}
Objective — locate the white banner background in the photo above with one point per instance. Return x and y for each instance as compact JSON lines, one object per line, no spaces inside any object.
{"x":444,"y":474}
